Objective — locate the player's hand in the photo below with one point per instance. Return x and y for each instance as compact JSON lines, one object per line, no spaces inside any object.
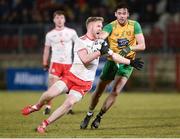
{"x":97,"y":45}
{"x":125,"y":51}
{"x":104,"y":48}
{"x":45,"y":67}
{"x":137,"y":63}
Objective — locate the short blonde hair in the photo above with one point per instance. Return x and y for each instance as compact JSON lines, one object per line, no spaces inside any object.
{"x":94,"y":19}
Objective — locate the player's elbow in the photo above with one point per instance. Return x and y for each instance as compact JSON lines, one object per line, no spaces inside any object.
{"x":144,"y":47}
{"x":85,"y":61}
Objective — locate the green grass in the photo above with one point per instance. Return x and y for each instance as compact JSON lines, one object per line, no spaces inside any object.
{"x":133,"y":115}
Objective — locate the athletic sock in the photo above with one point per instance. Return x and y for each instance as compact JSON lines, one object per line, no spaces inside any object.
{"x":101,"y":113}
{"x":45,"y":123}
{"x":90,"y":113}
{"x":48,"y":106}
{"x":37,"y":106}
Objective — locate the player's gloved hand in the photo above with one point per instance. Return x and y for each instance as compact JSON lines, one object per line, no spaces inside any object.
{"x":104,"y":48}
{"x":97,"y":45}
{"x":45,"y":67}
{"x":126,"y":50}
{"x":137,"y":63}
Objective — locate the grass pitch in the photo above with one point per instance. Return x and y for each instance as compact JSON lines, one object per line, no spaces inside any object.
{"x":134,"y":115}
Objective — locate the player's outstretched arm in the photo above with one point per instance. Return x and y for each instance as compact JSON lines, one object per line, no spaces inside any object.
{"x":136,"y":63}
{"x":120,"y":59}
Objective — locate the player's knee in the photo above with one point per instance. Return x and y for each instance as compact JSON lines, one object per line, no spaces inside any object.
{"x":69,"y":104}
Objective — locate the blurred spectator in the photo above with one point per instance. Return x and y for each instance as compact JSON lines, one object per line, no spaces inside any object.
{"x":161,"y":7}
{"x":149,"y":14}
{"x":26,"y":17}
{"x":37,"y":17}
{"x":4,"y":11}
{"x":163,"y":21}
{"x":3,"y":7}
{"x":173,"y":6}
{"x":78,"y":10}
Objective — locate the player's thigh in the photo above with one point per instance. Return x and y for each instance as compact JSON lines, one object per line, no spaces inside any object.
{"x":52,"y":79}
{"x":57,"y":88}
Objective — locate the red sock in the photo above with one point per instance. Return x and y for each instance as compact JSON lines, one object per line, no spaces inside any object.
{"x":49,"y":103}
{"x":38,"y":106}
{"x":45,"y":123}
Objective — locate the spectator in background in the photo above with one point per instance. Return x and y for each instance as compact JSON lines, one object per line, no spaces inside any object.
{"x":149,"y":14}
{"x":78,"y":10}
{"x":26,"y":16}
{"x":4,"y":9}
{"x":173,"y":6}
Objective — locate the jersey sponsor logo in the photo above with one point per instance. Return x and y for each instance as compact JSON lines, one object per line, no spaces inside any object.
{"x":122,"y":42}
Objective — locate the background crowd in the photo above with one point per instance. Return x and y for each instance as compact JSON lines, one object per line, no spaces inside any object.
{"x":40,"y":11}
{"x":24,"y":23}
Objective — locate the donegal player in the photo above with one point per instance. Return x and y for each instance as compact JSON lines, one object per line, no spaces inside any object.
{"x":125,"y":37}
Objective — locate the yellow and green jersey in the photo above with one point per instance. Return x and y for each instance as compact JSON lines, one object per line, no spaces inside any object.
{"x":121,"y":36}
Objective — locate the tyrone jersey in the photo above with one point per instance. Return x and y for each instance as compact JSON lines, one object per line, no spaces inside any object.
{"x":61,"y":43}
{"x":121,"y":36}
{"x":84,"y":72}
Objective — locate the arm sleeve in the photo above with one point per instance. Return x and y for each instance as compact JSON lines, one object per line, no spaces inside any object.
{"x":137,"y":28}
{"x":47,"y":41}
{"x":79,"y":45}
{"x":108,"y":28}
{"x":74,"y":36}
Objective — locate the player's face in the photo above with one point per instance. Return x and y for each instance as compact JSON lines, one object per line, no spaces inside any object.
{"x":97,"y":28}
{"x":122,"y":15}
{"x":59,"y":20}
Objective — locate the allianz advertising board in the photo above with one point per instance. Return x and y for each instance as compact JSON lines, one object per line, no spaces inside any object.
{"x":26,"y":79}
